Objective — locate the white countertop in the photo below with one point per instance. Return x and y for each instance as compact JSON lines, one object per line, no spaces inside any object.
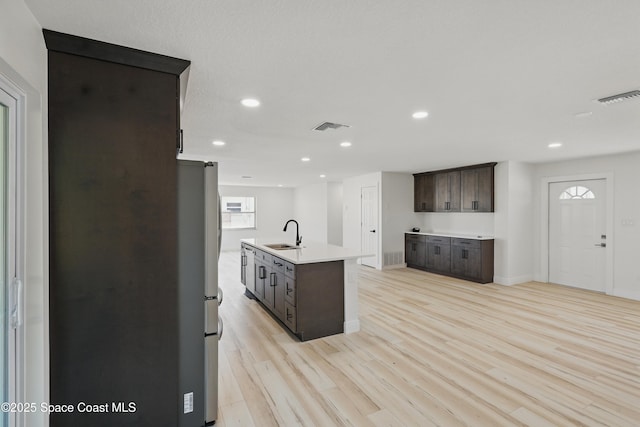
{"x":448,"y":234}
{"x":310,"y":252}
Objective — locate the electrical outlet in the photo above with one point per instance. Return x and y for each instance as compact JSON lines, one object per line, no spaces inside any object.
{"x":188,"y":402}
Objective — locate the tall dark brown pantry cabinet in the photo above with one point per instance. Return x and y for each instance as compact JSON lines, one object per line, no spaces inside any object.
{"x":113,"y":127}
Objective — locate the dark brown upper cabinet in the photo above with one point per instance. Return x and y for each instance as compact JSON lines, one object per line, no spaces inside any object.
{"x":447,"y":192}
{"x":423,"y":193}
{"x":464,"y":189}
{"x":477,"y":189}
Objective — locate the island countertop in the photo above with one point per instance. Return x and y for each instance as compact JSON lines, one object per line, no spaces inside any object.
{"x":450,"y":234}
{"x":308,"y":253}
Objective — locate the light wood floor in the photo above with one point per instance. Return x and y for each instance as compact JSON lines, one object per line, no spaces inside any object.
{"x":436,"y":351}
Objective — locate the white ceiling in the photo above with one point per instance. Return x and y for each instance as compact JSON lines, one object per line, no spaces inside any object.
{"x":501,"y":79}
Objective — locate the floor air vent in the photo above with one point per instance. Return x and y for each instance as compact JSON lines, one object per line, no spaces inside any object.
{"x":328,"y":125}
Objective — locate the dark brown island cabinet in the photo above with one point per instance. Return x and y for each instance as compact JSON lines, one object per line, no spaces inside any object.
{"x":465,"y":189}
{"x":308,"y":299}
{"x":465,"y":258}
{"x":114,"y":277}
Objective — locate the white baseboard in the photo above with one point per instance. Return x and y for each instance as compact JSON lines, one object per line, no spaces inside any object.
{"x":395,"y":266}
{"x":510,"y":281}
{"x":351,"y":326}
{"x":627,"y":293}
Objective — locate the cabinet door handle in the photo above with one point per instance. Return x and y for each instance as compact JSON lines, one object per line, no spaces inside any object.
{"x":262,"y":272}
{"x":436,"y":250}
{"x":273,"y":279}
{"x":180,"y":141}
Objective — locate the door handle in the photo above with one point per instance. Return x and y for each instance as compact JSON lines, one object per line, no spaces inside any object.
{"x":15,"y":298}
{"x":601,"y":245}
{"x":372,"y":231}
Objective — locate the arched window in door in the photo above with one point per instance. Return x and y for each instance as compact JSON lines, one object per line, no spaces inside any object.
{"x":577,"y":192}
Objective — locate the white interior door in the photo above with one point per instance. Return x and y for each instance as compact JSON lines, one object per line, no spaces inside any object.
{"x":577,"y":234}
{"x":369,"y":225}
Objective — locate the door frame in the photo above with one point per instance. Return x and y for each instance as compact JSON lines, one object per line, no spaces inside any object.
{"x":15,"y":182}
{"x":544,"y":221}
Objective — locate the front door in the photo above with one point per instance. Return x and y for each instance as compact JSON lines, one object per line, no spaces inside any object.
{"x":577,"y":234}
{"x":369,"y":228}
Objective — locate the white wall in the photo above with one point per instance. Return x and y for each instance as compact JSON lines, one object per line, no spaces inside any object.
{"x":318,"y":209}
{"x":472,"y":223}
{"x":513,"y":252}
{"x":23,"y":61}
{"x":274,"y":206}
{"x":626,"y":189}
{"x":334,"y":213}
{"x":310,"y":210}
{"x":397,"y":216}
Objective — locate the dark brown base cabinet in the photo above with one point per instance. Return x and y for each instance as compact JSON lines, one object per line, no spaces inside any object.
{"x":306,"y":298}
{"x":438,"y":253}
{"x":469,"y":259}
{"x":416,"y":250}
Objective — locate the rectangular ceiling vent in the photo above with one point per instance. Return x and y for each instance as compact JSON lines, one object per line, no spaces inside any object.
{"x":328,"y":125}
{"x":620,"y":97}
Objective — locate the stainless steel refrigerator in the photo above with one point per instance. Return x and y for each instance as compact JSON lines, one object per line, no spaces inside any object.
{"x":199,"y":237}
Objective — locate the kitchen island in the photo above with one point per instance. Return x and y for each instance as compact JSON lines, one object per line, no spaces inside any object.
{"x":312,"y":289}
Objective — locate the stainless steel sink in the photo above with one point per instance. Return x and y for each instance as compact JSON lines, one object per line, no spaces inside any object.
{"x":282,"y":246}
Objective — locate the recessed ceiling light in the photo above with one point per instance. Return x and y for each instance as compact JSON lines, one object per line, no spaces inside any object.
{"x":218,"y":143}
{"x":323,"y":176}
{"x":584,"y":114}
{"x":279,"y":185}
{"x":420,"y":114}
{"x":345,"y":144}
{"x":247,"y":177}
{"x":250,"y":102}
{"x":305,"y":159}
{"x":555,"y":145}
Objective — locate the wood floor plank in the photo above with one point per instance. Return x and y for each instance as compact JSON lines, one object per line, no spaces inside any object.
{"x":436,"y":351}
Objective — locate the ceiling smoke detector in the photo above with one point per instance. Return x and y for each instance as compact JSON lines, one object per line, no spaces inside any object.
{"x":619,"y":97}
{"x":328,"y":125}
